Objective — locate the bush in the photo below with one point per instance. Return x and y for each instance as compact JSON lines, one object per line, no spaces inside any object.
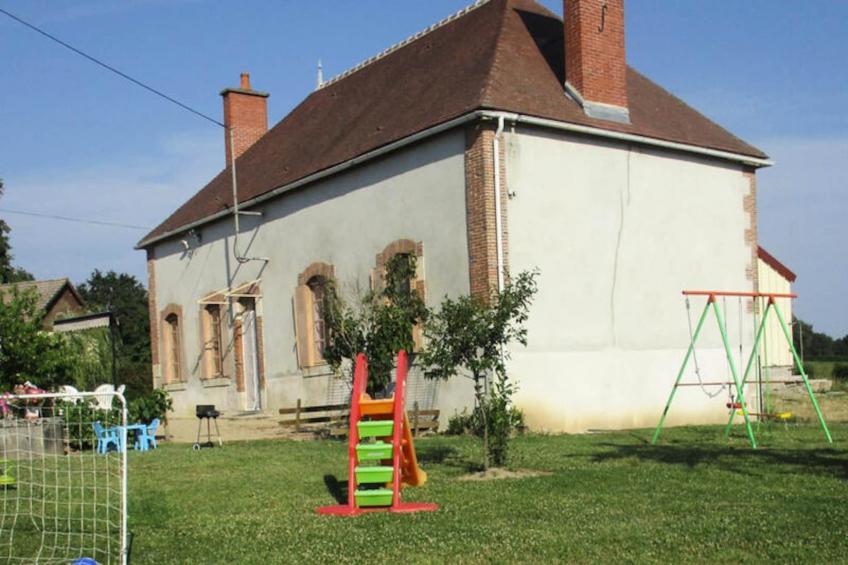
{"x":461,"y":423}
{"x":79,"y":418}
{"x":809,"y":370}
{"x":503,"y":418}
{"x":840,"y":372}
{"x":147,"y":408}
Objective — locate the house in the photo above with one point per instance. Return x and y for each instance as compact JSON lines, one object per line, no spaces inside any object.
{"x":501,"y":139}
{"x":57,"y":298}
{"x":776,"y":277}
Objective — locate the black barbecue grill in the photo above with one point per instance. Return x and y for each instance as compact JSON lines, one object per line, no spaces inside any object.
{"x":210,"y":414}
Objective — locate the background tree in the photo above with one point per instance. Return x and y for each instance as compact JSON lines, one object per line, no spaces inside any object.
{"x":9,"y":273}
{"x":380,"y":323}
{"x":28,"y":353}
{"x":818,"y":345}
{"x":471,"y":335}
{"x":124,"y":296}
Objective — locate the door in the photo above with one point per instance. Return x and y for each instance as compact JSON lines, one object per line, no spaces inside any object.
{"x":249,"y":343}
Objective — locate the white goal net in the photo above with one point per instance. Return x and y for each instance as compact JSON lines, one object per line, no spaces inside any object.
{"x":63,"y":478}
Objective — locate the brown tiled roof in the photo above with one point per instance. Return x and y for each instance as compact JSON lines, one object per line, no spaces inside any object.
{"x":772,"y":262}
{"x":48,"y":291}
{"x":503,"y":55}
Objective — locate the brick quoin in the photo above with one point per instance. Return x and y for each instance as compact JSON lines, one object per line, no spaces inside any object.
{"x":480,"y":209}
{"x":246,"y":113}
{"x":153,"y":313}
{"x":595,"y":61}
{"x":749,"y":205}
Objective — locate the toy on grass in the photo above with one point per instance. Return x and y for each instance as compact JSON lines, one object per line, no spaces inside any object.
{"x":737,"y":403}
{"x":380,"y":434}
{"x":7,"y":478}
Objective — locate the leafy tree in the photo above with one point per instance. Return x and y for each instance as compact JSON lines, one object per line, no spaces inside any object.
{"x":817,"y":345}
{"x":124,"y":296}
{"x":9,"y":273}
{"x":470,"y":334}
{"x":28,"y":353}
{"x":380,"y":324}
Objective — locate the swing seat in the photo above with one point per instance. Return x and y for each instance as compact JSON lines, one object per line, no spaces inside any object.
{"x":784,"y":416}
{"x":734,"y":405}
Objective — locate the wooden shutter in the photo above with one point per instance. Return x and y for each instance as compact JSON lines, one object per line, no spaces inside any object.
{"x":303,"y":326}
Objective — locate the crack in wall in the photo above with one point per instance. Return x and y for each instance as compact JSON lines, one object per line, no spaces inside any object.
{"x":624,"y":194}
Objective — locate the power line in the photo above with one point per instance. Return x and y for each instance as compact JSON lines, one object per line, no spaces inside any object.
{"x":111,"y":68}
{"x":77,"y":220}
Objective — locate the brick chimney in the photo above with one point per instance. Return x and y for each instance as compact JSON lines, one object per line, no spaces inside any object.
{"x":246,"y":113}
{"x":595,"y":64}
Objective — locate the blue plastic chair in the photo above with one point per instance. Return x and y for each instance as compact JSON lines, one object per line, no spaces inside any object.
{"x":106,"y":438}
{"x":147,"y":436}
{"x":151,"y":432}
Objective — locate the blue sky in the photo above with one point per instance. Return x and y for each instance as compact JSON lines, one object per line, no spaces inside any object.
{"x":77,"y":141}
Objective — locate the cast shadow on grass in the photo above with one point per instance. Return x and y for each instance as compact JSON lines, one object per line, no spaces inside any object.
{"x":823,"y":461}
{"x":448,"y":456}
{"x":336,"y":488}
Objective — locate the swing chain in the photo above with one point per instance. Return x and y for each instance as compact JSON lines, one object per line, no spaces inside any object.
{"x":695,"y":356}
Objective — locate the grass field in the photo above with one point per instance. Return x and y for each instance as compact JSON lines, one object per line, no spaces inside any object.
{"x":608,"y":498}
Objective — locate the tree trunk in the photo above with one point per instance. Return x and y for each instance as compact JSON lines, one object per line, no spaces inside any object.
{"x":479,"y":393}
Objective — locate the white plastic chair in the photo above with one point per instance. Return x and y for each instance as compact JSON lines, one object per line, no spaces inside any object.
{"x":72,"y":392}
{"x":104,"y":395}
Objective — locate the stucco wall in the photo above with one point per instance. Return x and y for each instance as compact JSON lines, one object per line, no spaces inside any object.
{"x":345,"y":221}
{"x":617,"y":232}
{"x":775,"y":351}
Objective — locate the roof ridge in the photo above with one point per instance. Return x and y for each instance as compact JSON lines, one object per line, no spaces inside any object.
{"x":36,"y":281}
{"x":495,"y":52}
{"x":391,"y":49}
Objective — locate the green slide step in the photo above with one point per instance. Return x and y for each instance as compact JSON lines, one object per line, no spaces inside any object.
{"x":375,"y":428}
{"x":377,"y":451}
{"x":373,"y":474}
{"x":374,"y":497}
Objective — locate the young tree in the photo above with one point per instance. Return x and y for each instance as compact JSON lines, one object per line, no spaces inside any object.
{"x":9,"y":273}
{"x":124,"y":296}
{"x":380,"y":325}
{"x":470,"y":334}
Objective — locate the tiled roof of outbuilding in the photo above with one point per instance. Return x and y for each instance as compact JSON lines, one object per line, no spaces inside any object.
{"x":500,"y":55}
{"x":48,"y":291}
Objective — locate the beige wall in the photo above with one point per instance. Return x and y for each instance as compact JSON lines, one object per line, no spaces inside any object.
{"x":775,"y":351}
{"x":618,"y":232}
{"x":345,"y":221}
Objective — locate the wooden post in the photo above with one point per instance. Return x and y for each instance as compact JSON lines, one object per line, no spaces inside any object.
{"x":415,"y":419}
{"x":297,"y":417}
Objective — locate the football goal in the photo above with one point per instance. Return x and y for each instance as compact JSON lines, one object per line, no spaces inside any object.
{"x":63,"y":477}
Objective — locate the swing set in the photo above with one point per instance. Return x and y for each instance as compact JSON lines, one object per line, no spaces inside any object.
{"x":736,"y":402}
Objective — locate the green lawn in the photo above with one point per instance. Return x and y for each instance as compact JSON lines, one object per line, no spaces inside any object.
{"x":609,"y":498}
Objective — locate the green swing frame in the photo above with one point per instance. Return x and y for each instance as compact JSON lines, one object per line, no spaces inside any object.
{"x":738,"y":383}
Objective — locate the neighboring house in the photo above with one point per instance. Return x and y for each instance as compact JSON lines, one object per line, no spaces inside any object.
{"x":776,"y":277}
{"x":57,"y":298}
{"x":499,"y":137}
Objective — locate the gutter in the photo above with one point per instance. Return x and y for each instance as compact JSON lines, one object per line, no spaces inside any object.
{"x":470,"y":117}
{"x":496,"y":150}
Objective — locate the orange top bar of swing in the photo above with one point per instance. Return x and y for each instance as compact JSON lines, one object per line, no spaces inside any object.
{"x":748,"y":294}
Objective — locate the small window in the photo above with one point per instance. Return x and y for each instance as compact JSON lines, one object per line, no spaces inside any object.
{"x":402,"y":284}
{"x":172,"y":348}
{"x":317,"y":288}
{"x":400,"y":273}
{"x":212,"y":341}
{"x":310,"y":323}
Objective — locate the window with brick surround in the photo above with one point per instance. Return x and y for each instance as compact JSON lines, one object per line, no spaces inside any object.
{"x":311,"y":332}
{"x":405,"y":249}
{"x":317,"y":286}
{"x":213,"y":344}
{"x":172,"y":345}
